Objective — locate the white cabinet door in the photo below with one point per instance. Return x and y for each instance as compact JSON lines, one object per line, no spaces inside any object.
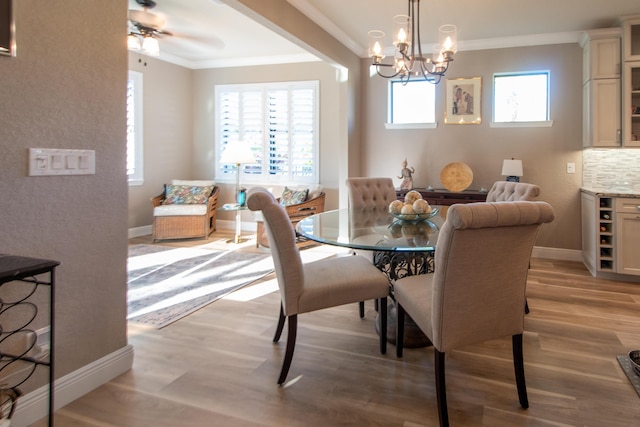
{"x":602,"y":113}
{"x":628,"y":243}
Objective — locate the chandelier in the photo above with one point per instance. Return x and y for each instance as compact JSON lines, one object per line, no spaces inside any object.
{"x":408,"y":59}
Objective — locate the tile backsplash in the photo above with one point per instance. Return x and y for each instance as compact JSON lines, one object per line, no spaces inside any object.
{"x":612,"y":169}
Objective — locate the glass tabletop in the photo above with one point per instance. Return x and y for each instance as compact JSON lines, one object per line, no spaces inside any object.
{"x":372,"y":230}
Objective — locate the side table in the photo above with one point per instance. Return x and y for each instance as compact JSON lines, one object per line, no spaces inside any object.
{"x":238,"y":210}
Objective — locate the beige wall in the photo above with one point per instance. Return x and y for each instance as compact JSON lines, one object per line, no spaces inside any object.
{"x":167,"y":129}
{"x":66,"y":89}
{"x":330,"y":131}
{"x":374,"y":151}
{"x":544,"y":151}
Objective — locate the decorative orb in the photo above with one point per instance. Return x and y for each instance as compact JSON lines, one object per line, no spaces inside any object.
{"x":407,"y":209}
{"x":395,"y":207}
{"x":421,"y":206}
{"x":412,"y":196}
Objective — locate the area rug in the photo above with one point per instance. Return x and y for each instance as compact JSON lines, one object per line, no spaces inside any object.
{"x":166,"y":283}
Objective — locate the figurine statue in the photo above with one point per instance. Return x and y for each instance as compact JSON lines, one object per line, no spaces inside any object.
{"x":405,"y":175}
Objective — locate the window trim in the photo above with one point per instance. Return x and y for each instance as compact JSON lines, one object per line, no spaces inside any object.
{"x":389,"y":124}
{"x":264,"y":178}
{"x":521,"y":124}
{"x":137,"y":178}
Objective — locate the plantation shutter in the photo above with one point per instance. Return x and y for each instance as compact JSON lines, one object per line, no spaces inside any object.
{"x":279,"y":122}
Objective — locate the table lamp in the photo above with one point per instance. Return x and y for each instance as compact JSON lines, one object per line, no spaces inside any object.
{"x":512,"y":169}
{"x":237,"y":153}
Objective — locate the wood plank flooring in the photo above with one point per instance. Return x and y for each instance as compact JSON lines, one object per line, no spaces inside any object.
{"x":218,"y":366}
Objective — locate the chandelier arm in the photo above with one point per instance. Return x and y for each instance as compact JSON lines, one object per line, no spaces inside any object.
{"x":383,"y":75}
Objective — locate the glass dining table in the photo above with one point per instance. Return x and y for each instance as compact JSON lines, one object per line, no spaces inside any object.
{"x":400,"y":247}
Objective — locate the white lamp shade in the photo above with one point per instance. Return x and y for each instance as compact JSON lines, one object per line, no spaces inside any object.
{"x":512,"y":167}
{"x":236,"y":153}
{"x":150,"y":46}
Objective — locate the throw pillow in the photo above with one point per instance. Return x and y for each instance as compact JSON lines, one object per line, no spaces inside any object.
{"x":293,"y":197}
{"x":186,"y":194}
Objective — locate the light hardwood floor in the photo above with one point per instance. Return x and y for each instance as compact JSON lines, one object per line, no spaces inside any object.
{"x":218,"y":366}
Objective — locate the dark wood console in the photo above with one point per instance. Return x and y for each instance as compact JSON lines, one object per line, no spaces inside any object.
{"x":445,"y":197}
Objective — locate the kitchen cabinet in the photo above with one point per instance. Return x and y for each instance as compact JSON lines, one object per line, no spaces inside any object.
{"x":610,"y":234}
{"x":631,"y":37}
{"x":631,"y":104}
{"x":601,"y":88}
{"x":598,"y":233}
{"x":631,"y":81}
{"x":627,"y":227}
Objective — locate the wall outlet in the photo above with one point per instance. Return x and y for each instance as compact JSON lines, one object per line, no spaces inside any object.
{"x":571,"y":168}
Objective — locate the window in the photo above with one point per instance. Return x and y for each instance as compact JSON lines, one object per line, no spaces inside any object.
{"x":279,"y":122}
{"x":521,"y":97}
{"x":134,"y":129}
{"x":412,"y":102}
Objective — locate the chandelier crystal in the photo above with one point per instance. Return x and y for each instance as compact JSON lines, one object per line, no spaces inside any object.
{"x":409,"y":60}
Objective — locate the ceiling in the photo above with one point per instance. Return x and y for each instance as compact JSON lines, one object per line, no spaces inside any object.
{"x":210,"y":33}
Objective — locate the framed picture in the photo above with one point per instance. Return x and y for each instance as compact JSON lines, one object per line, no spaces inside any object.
{"x":7,"y":42}
{"x":463,"y":101}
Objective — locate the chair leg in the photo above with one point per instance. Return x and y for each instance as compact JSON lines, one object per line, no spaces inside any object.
{"x":291,"y":345}
{"x":518,"y":364}
{"x":399,"y":329}
{"x":441,"y":389}
{"x":361,"y":305}
{"x":280,"y":326}
{"x":383,"y":325}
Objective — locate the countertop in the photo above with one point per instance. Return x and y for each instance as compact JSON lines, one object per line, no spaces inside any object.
{"x":612,"y":192}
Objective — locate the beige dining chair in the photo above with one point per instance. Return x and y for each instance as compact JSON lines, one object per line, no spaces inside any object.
{"x":476,"y":292}
{"x":369,"y":198}
{"x":307,"y":287}
{"x":509,"y":191}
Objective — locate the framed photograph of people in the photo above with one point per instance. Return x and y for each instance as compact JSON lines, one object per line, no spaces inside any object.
{"x":463,"y":101}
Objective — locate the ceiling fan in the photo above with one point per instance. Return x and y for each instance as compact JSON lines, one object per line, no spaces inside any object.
{"x":146,"y":25}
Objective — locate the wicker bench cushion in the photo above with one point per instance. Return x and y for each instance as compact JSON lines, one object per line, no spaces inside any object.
{"x":179,"y":210}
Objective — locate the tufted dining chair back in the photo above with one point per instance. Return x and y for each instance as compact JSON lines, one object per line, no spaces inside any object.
{"x":509,"y":191}
{"x":369,"y":200}
{"x":370,"y":196}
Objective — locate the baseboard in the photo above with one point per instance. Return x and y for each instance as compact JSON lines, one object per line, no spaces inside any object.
{"x":34,"y":406}
{"x":140,"y":231}
{"x":538,"y":252}
{"x":557,"y":253}
{"x":249,"y":226}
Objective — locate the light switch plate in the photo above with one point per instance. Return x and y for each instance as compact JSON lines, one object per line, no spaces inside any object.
{"x":55,"y":161}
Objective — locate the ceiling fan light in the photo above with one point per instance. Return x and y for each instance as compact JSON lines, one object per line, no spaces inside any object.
{"x":133,"y":43}
{"x":150,"y":46}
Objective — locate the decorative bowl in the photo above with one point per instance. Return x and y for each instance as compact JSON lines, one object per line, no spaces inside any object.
{"x":416,"y":217}
{"x":634,"y":356}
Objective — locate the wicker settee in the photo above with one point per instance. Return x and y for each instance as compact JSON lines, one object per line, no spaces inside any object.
{"x":186,"y":209}
{"x":296,"y":212}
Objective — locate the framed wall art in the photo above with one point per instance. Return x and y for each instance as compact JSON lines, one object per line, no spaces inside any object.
{"x":7,"y":40}
{"x":463,"y":101}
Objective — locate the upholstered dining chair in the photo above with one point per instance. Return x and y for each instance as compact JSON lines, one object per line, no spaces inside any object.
{"x":509,"y":191}
{"x":476,"y":292}
{"x":307,"y":287}
{"x":370,"y":196}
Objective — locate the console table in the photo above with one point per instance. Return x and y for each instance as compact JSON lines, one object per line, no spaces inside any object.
{"x":444,"y":197}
